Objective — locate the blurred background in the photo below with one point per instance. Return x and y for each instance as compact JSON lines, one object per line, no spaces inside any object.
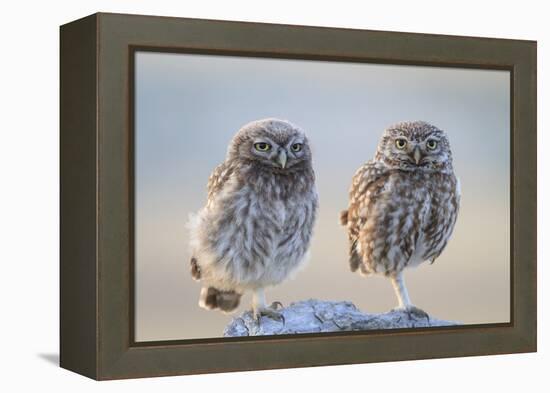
{"x":189,"y":106}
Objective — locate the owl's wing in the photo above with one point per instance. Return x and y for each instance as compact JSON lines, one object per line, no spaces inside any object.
{"x":365,"y":176}
{"x":365,"y":179}
{"x":217,"y":179}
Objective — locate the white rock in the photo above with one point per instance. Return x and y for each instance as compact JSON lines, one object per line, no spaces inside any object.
{"x":316,"y":316}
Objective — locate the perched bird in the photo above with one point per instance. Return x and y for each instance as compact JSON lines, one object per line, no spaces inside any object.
{"x":256,"y":227}
{"x":403,"y":205}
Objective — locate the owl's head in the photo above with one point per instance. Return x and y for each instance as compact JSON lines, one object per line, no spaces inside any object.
{"x":272,"y":144}
{"x":415,"y":145}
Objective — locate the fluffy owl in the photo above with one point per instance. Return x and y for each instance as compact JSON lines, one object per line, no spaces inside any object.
{"x":403,"y":205}
{"x":256,"y":227}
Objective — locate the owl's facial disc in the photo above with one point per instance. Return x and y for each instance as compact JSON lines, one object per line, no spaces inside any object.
{"x":419,"y":153}
{"x":270,"y":145}
{"x":269,"y":153}
{"x":415,"y":145}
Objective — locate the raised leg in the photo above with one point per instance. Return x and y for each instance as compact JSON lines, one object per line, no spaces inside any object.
{"x":398,"y":282}
{"x":260,"y":309}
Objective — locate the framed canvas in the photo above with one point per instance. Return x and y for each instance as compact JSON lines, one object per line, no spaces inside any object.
{"x":205,"y":166}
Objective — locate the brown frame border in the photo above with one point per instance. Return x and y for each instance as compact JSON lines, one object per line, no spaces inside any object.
{"x":97,"y":195}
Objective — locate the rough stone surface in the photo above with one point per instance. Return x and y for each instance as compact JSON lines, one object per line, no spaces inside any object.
{"x":316,"y":316}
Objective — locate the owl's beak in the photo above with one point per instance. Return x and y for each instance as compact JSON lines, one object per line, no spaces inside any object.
{"x":281,"y":159}
{"x":417,"y":155}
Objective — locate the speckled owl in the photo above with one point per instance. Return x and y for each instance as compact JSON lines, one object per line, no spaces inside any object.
{"x":403,"y":205}
{"x":256,"y":227}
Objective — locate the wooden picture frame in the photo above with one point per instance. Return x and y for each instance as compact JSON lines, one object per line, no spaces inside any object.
{"x":96,"y":267}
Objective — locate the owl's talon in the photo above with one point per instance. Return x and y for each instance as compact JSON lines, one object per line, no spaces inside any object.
{"x":275,"y":305}
{"x":418,"y":312}
{"x":413,"y":311}
{"x":270,"y":313}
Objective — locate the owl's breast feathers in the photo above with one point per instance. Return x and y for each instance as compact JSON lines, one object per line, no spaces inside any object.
{"x":256,"y":227}
{"x":397,"y":219}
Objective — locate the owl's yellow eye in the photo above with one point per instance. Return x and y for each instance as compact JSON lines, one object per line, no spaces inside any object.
{"x":431,"y":144}
{"x":296,"y":147}
{"x":262,"y":146}
{"x":400,"y":143}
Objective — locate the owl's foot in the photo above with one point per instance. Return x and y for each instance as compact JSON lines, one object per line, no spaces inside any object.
{"x":417,"y":312}
{"x":413,"y":311}
{"x":270,"y":311}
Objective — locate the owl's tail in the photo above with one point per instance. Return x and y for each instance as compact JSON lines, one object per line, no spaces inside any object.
{"x":212,"y":298}
{"x":344,"y":217}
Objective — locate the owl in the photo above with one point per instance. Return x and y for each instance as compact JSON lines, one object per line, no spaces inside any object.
{"x":255,"y":229}
{"x":403,"y":205}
